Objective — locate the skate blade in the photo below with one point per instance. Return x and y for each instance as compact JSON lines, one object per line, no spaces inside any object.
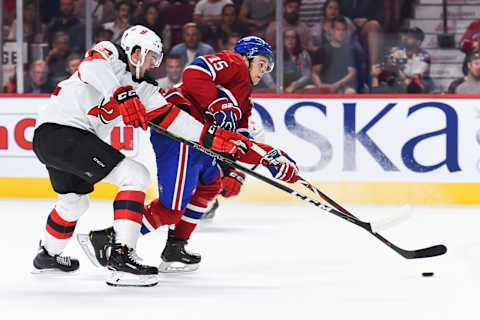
{"x":125,"y":279}
{"x":52,"y":272}
{"x":177,"y":267}
{"x":84,"y":242}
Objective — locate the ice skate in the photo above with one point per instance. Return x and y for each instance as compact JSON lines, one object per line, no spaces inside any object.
{"x":125,"y":271}
{"x":97,"y":245}
{"x":56,"y":264}
{"x":175,"y":258}
{"x":210,"y":214}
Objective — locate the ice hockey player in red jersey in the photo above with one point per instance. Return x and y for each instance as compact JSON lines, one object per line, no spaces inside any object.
{"x":215,"y":89}
{"x":109,"y":86}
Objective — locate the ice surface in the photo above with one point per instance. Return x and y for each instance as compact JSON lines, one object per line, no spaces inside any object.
{"x":258,"y":262}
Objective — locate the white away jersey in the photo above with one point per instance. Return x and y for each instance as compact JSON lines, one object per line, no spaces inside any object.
{"x":82,"y":101}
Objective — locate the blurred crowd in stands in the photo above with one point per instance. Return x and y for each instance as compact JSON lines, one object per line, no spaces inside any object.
{"x":329,"y":46}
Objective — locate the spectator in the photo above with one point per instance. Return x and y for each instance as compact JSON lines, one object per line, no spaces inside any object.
{"x":177,"y":14}
{"x":192,"y":47}
{"x":368,"y":16}
{"x":230,"y":42}
{"x":73,"y":61}
{"x":297,"y":64}
{"x":123,"y":10}
{"x":471,"y":85}
{"x":386,"y":78}
{"x":311,"y":11}
{"x":321,"y":32}
{"x":415,"y":62}
{"x":230,"y":25}
{"x":100,"y":34}
{"x":257,"y":14}
{"x":33,"y":30}
{"x":209,"y":12}
{"x":102,"y":11}
{"x":452,"y":88}
{"x":333,"y":66}
{"x":69,"y":24}
{"x":470,"y":40}
{"x":37,"y":80}
{"x":174,"y":72}
{"x":155,"y":21}
{"x":57,"y":57}
{"x":291,"y":14}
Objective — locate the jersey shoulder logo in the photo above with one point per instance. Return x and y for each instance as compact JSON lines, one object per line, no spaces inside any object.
{"x":106,"y":111}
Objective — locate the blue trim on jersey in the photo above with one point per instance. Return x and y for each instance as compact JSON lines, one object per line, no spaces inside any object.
{"x":199,"y":62}
{"x":193,"y":214}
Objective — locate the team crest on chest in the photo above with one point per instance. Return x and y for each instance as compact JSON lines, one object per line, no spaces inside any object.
{"x":106,"y":111}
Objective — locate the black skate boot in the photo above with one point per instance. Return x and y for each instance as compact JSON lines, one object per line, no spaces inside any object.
{"x":208,"y":216}
{"x":96,"y":245}
{"x":175,"y":258}
{"x":45,"y":263}
{"x":125,"y":271}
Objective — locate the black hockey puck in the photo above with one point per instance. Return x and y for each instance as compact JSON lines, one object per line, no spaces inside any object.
{"x":427,"y":274}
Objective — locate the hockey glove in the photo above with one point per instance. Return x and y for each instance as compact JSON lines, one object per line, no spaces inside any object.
{"x":225,"y":113}
{"x":232,"y":182}
{"x":281,"y":166}
{"x":221,"y":140}
{"x":131,"y":108}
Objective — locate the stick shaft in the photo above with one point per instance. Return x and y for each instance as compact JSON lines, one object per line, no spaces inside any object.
{"x":409,"y":254}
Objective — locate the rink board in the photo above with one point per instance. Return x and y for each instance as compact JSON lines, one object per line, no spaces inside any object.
{"x":360,"y":149}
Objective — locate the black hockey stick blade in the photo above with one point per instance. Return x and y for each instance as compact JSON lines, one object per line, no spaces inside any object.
{"x":429,"y":252}
{"x":409,"y":254}
{"x":433,"y":251}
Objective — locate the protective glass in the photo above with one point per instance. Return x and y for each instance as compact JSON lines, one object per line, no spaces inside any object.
{"x":156,"y":58}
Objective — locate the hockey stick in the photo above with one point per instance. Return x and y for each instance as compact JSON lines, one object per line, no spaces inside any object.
{"x":408,"y":254}
{"x":398,"y":217}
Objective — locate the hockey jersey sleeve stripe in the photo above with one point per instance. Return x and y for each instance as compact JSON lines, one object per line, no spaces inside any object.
{"x":202,"y":65}
{"x":224,"y":92}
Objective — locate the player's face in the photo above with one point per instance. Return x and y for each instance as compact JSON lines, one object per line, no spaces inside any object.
{"x":152,"y":60}
{"x":259,"y":65}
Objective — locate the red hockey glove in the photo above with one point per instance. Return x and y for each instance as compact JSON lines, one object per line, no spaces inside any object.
{"x":232,"y":183}
{"x":221,"y":140}
{"x":281,"y":166}
{"x":131,"y":108}
{"x":225,"y":113}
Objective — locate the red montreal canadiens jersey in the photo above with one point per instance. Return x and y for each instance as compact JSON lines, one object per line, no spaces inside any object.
{"x":213,"y":76}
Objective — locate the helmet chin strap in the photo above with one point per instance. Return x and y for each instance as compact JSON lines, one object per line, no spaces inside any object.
{"x":137,"y":65}
{"x":137,"y":70}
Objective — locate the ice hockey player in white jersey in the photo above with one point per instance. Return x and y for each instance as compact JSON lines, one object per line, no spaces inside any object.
{"x":109,"y":86}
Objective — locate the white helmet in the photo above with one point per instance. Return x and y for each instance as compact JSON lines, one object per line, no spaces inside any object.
{"x":147,"y":40}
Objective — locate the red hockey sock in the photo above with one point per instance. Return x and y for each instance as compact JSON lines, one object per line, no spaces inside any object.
{"x":184,"y":229}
